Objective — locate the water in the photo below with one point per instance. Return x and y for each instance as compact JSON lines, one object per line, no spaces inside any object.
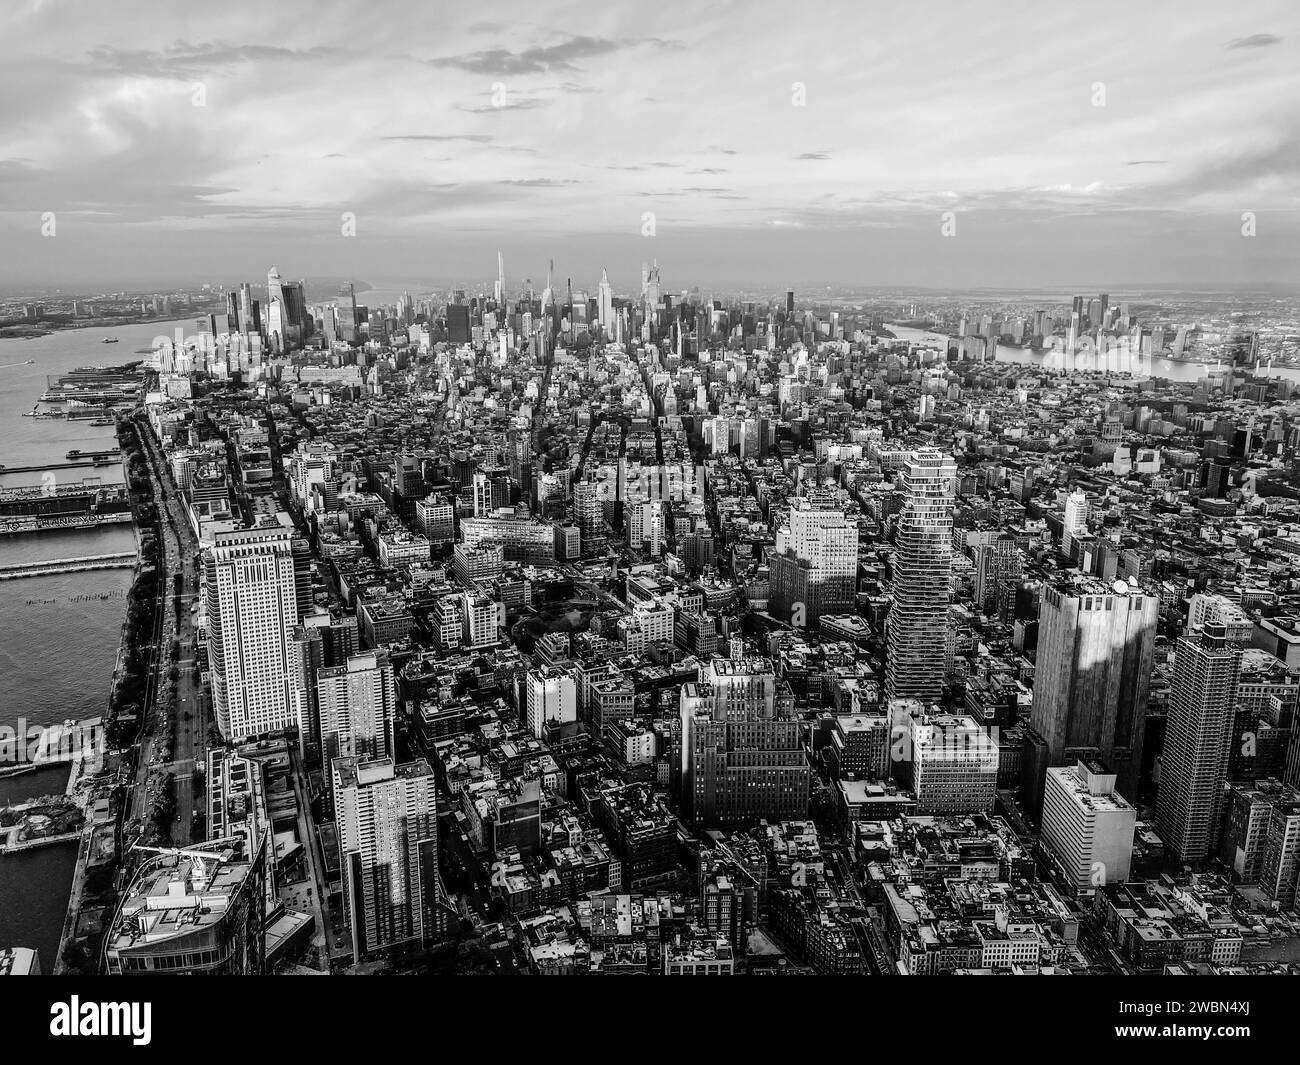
{"x":34,"y":889}
{"x":1145,"y":366}
{"x":58,"y":639}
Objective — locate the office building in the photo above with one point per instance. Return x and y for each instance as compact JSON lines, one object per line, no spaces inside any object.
{"x":815,"y":564}
{"x":1087,"y":826}
{"x":550,"y":699}
{"x":252,"y":611}
{"x":1075,"y":523}
{"x":953,"y":763}
{"x":743,"y":761}
{"x":1093,"y":672}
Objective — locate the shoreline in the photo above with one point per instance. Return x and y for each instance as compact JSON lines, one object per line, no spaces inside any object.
{"x":19,"y":331}
{"x":79,"y":775}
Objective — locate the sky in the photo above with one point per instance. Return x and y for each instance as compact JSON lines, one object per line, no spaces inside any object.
{"x":960,"y":144}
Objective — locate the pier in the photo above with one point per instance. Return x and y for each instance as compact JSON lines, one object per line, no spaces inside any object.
{"x":119,"y":560}
{"x":57,"y":466}
{"x":15,"y":526}
{"x":11,"y":843}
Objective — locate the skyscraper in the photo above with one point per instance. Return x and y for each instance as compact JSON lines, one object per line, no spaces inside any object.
{"x":1095,"y":648}
{"x":605,"y":298}
{"x":1076,"y":521}
{"x":917,"y":623}
{"x":252,"y":612}
{"x":815,"y":567}
{"x":388,"y":837}
{"x":1198,"y":738}
{"x":357,"y":705}
{"x":277,"y":311}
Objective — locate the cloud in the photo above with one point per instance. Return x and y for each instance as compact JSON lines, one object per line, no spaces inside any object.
{"x":1145,"y":162}
{"x":473,"y":138}
{"x":818,"y":156}
{"x":538,"y":183}
{"x":512,"y":103}
{"x":191,"y":60}
{"x":540,"y":59}
{"x":1255,"y":40}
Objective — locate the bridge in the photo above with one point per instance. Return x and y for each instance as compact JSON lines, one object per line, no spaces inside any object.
{"x":119,"y":560}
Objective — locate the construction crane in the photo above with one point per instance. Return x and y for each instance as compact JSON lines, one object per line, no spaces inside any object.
{"x":200,"y":871}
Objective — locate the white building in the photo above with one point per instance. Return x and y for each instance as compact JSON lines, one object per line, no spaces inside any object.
{"x":551,"y":695}
{"x":1076,"y":520}
{"x":252,"y":610}
{"x":484,"y":618}
{"x":1087,"y":826}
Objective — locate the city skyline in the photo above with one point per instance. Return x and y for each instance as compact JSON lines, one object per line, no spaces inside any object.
{"x":650,"y":490}
{"x":166,"y":148}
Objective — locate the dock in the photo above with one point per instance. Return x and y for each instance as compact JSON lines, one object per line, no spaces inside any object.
{"x":16,"y":526}
{"x":12,"y":844}
{"x":120,"y":560}
{"x":57,"y":466}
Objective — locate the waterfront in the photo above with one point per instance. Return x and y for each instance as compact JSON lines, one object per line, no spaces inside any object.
{"x":58,"y":634}
{"x":1145,"y":366}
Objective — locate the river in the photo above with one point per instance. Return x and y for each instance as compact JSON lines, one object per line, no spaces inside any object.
{"x":1144,"y":366}
{"x":58,"y":634}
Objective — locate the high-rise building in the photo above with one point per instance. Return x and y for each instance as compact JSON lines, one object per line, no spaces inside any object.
{"x":1279,"y":876}
{"x":1198,"y":738}
{"x":214,"y":919}
{"x":587,"y":510}
{"x":482,"y":491}
{"x":1076,"y":521}
{"x":605,"y":303}
{"x":458,"y":331}
{"x":743,"y":759}
{"x":388,"y":838}
{"x":1093,"y":672}
{"x":917,"y":624}
{"x":1087,"y":826}
{"x":996,"y":562}
{"x":550,"y":698}
{"x":953,"y":764}
{"x":252,"y":612}
{"x":358,"y":707}
{"x":645,"y":527}
{"x":815,"y":565}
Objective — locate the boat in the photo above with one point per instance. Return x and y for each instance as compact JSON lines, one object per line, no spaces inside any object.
{"x":103,"y":421}
{"x":12,"y":769}
{"x":74,"y":453}
{"x":30,"y":362}
{"x":109,"y":340}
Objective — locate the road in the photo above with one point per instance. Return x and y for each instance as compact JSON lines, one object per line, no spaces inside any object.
{"x":325,"y":939}
{"x":188,"y":708}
